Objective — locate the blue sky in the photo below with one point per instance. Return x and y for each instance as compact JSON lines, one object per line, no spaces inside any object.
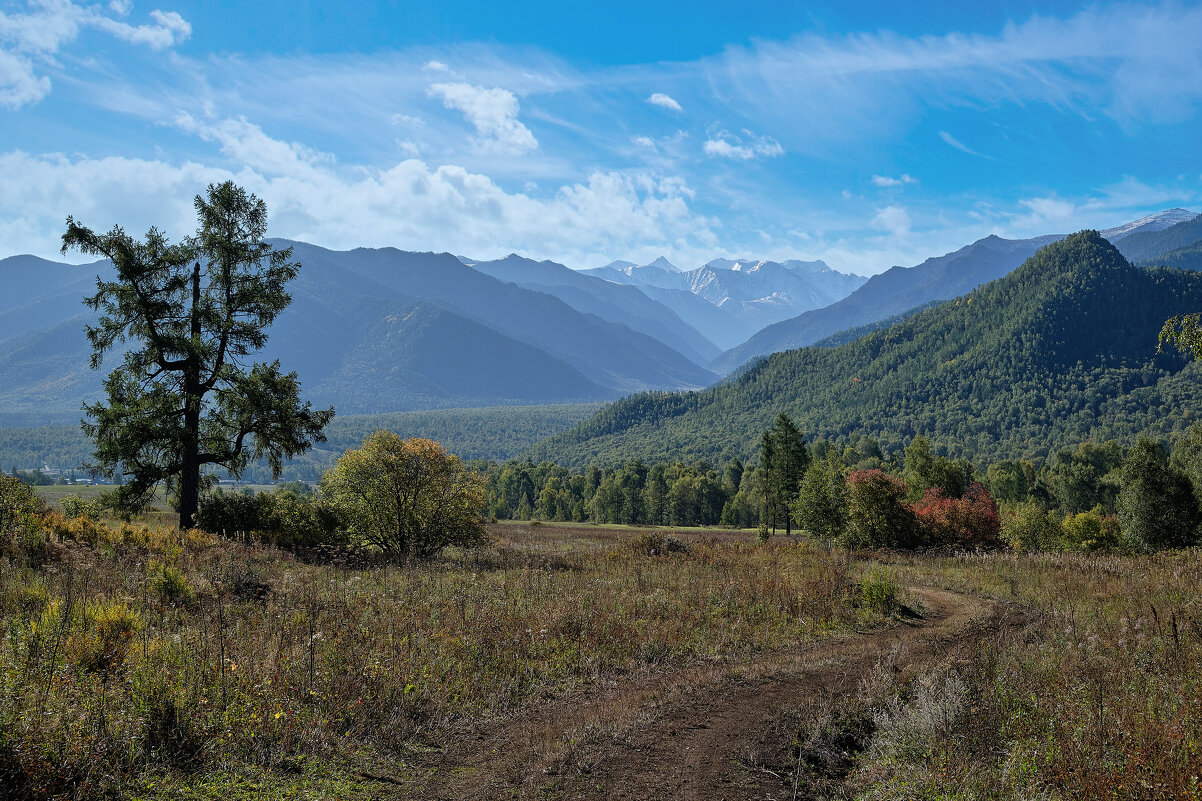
{"x":864,"y":134}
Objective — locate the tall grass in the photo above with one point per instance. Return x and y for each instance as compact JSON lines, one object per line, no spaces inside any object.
{"x":1100,"y":697}
{"x":133,"y":654}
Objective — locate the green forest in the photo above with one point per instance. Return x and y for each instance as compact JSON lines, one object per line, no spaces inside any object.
{"x":1063,"y":350}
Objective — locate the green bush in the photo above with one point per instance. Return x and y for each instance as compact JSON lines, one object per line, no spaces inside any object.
{"x":280,"y":518}
{"x":881,"y":592}
{"x":1027,"y":527}
{"x":1091,"y":531}
{"x":168,"y":582}
{"x":75,"y":505}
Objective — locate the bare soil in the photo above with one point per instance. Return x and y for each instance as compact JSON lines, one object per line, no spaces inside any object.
{"x":718,"y":731}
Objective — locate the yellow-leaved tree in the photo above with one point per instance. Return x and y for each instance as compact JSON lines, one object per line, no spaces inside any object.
{"x":406,"y":496}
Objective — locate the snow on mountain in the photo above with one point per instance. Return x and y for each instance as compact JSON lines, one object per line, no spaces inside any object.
{"x":1153,"y":222}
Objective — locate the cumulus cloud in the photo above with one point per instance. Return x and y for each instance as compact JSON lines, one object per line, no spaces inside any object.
{"x":742,"y":148}
{"x":894,"y":220}
{"x":31,"y":39}
{"x":494,"y":113}
{"x":664,"y":101}
{"x":890,"y":181}
{"x":313,"y":197}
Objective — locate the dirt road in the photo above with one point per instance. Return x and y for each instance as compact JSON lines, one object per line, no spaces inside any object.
{"x":706,"y":733}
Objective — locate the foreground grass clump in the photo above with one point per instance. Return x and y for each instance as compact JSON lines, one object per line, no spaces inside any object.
{"x":1099,"y":697}
{"x":136,"y":659}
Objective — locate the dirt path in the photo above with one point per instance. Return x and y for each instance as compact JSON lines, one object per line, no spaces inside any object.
{"x":699,"y":733}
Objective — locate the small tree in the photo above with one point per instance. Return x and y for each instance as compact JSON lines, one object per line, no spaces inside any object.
{"x":1156,"y":504}
{"x":785,"y":459}
{"x":877,"y":514}
{"x":971,"y":520}
{"x":821,"y":504}
{"x":183,"y":396}
{"x":406,"y":496}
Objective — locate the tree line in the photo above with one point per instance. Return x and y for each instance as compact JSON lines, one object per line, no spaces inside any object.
{"x":1095,"y":495}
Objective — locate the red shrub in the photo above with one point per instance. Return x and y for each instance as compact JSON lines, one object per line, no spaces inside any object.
{"x":972,"y":520}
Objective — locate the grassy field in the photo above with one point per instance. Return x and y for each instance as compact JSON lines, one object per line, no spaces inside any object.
{"x":141,"y":663}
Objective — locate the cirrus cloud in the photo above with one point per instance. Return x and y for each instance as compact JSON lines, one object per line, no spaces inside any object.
{"x":31,"y":39}
{"x":743,"y":148}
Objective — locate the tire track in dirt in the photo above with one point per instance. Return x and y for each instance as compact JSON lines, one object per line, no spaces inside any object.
{"x":692,"y":733}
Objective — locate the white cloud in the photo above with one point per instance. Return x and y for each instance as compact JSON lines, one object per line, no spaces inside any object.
{"x":1135,"y":63}
{"x":33,"y":38}
{"x":890,"y":181}
{"x":644,"y":141}
{"x":956,"y":143}
{"x":493,"y":112}
{"x":664,"y":101}
{"x":435,"y":66}
{"x":313,"y":197}
{"x":894,"y":220}
{"x":744,"y":148}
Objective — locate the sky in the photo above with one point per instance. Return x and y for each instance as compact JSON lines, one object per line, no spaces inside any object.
{"x":864,"y":134}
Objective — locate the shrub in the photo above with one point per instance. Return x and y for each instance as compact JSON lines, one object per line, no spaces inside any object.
{"x":108,"y":629}
{"x":1091,"y":531}
{"x":168,"y":582}
{"x":1027,"y":527}
{"x":406,"y":496}
{"x":230,"y":513}
{"x":283,"y":517}
{"x":877,"y":515}
{"x":656,"y":543}
{"x":75,"y":505}
{"x":19,"y":507}
{"x":880,"y":591}
{"x":971,"y":520}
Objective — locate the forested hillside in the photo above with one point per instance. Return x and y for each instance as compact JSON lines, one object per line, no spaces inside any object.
{"x":1062,"y":350}
{"x":1145,"y":246}
{"x":895,"y":291}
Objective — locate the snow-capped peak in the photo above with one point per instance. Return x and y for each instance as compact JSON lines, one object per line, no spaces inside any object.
{"x":1153,"y":222}
{"x":663,"y":264}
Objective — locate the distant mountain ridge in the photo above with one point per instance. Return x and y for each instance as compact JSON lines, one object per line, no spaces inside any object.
{"x":369,"y":330}
{"x":1060,"y":350}
{"x":755,"y":292}
{"x":892,"y":292}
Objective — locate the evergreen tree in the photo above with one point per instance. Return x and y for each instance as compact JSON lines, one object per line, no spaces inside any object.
{"x":785,"y":460}
{"x":182,"y":397}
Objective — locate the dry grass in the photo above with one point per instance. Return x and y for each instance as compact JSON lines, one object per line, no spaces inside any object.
{"x":1100,"y":698}
{"x":135,"y":659}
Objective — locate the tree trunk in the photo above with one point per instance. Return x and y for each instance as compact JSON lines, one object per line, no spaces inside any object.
{"x":189,"y":480}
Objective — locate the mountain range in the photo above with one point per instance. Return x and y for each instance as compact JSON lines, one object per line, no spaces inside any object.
{"x":1061,"y":350}
{"x":378,"y":330}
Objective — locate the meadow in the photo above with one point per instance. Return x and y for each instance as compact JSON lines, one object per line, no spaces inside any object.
{"x":139,"y":662}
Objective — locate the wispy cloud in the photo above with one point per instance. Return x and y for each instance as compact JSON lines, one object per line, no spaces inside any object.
{"x":887,"y":181}
{"x":30,"y":40}
{"x":744,"y":148}
{"x":664,"y":101}
{"x":956,"y":143}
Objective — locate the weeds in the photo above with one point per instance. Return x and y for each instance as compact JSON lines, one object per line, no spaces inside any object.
{"x":142,"y":652}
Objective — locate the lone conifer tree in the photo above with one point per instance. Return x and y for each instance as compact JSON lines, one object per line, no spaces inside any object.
{"x":183,"y":396}
{"x":785,"y":459}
